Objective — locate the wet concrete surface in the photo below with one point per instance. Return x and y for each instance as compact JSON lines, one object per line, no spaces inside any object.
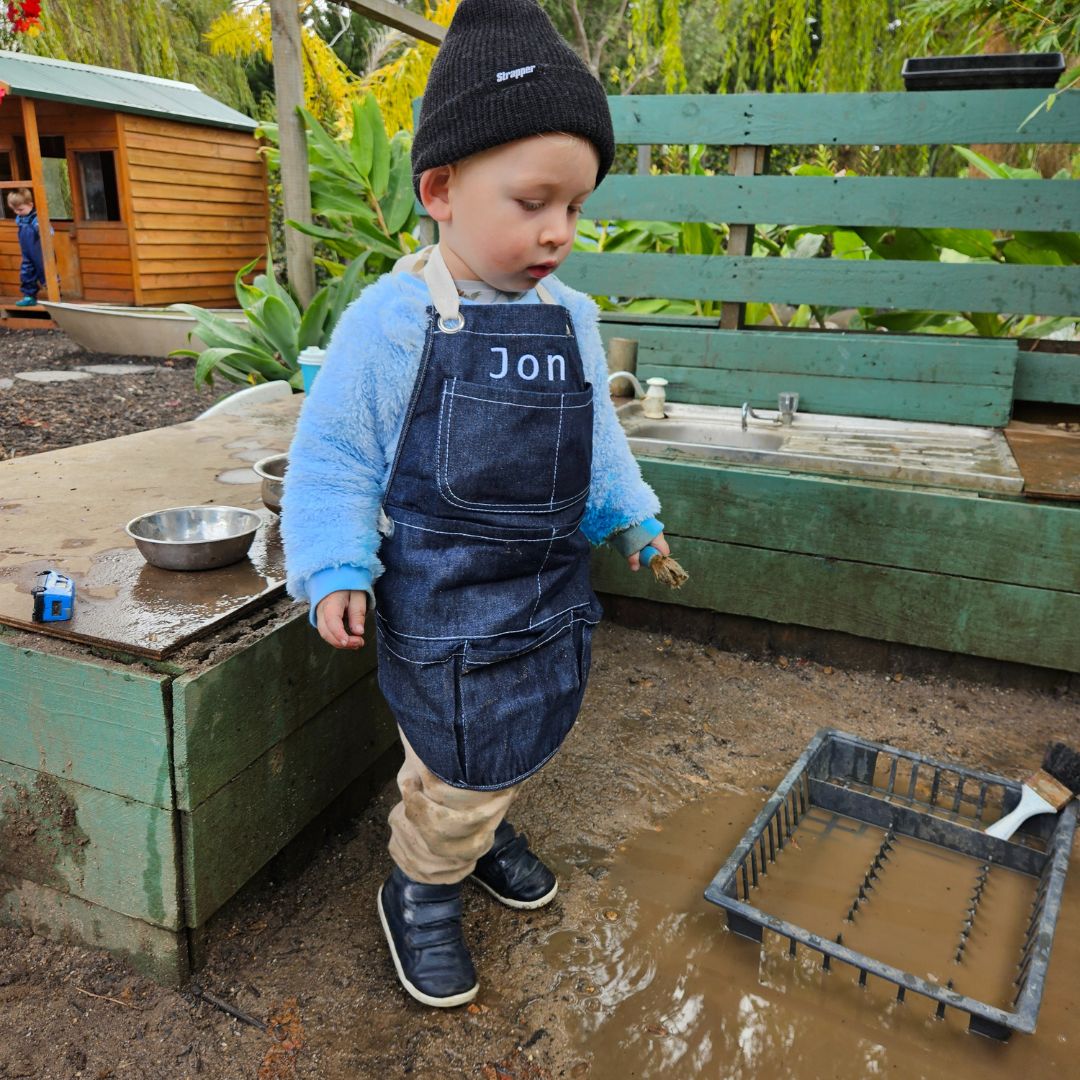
{"x":67,"y":511}
{"x":629,"y":973}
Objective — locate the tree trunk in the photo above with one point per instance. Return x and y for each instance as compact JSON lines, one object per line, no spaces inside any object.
{"x":295,"y":181}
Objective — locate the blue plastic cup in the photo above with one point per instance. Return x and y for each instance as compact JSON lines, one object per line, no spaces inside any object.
{"x":311,"y":359}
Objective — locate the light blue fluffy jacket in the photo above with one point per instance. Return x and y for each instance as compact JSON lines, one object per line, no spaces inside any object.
{"x":343,"y":449}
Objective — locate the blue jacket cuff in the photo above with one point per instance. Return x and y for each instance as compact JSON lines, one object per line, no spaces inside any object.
{"x":335,"y":578}
{"x":627,"y":541}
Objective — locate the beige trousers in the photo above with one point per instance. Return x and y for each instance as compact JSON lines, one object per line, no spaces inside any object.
{"x":437,"y":832}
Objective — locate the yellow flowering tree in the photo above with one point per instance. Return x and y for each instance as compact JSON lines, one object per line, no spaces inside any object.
{"x":244,"y":31}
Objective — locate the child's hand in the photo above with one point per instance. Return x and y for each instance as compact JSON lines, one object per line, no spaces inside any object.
{"x":330,"y":618}
{"x":657,"y":542}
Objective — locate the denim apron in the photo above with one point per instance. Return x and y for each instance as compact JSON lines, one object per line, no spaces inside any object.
{"x":485,"y":611}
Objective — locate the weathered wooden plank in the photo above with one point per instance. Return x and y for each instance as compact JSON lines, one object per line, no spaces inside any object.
{"x":945,"y":403}
{"x":184,"y":133}
{"x":142,"y":202}
{"x":57,"y":916}
{"x":892,"y":357}
{"x":162,"y":173}
{"x":181,"y":274}
{"x":228,"y":715}
{"x":177,"y":249}
{"x":187,"y":166}
{"x":164,"y":188}
{"x":196,"y":148}
{"x":102,"y":847}
{"x":912,"y":529}
{"x":99,"y":724}
{"x":187,"y":266}
{"x":107,"y":281}
{"x":1042,"y":376}
{"x":969,"y":116}
{"x":958,"y":614}
{"x":215,"y":296}
{"x":1038,"y":205}
{"x":1041,"y":290}
{"x":239,"y":828}
{"x":233,"y":228}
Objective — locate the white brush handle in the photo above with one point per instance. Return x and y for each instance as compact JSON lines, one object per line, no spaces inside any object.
{"x":1031,"y":803}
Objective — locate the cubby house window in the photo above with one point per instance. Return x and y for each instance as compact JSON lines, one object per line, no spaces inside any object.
{"x":97,"y":178}
{"x":6,"y":174}
{"x":54,"y":167}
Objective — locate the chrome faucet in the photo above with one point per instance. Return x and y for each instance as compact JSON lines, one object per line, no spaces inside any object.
{"x":652,"y":400}
{"x":787,"y":404}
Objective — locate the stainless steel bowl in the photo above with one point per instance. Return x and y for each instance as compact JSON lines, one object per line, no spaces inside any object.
{"x":271,"y":470}
{"x":194,"y":537}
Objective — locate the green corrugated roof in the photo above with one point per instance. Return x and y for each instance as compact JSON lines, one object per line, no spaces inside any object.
{"x":121,"y":91}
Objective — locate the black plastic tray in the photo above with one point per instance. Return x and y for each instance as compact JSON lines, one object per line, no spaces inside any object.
{"x":996,"y":71}
{"x":907,"y":794}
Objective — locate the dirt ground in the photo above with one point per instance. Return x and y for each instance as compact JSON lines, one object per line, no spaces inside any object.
{"x":667,"y":722}
{"x":35,"y":417}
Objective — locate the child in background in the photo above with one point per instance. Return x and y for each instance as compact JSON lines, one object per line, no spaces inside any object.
{"x":457,"y":455}
{"x":32,"y":271}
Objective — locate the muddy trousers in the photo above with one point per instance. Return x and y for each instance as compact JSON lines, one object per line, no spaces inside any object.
{"x":437,"y":832}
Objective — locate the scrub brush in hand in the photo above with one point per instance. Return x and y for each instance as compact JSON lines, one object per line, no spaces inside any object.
{"x":1044,"y":792}
{"x":668,"y":572}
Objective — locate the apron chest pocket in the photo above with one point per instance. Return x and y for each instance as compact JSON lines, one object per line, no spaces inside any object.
{"x":513,"y":451}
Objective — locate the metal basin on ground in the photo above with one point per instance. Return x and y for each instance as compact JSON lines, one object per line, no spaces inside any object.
{"x":941,"y":455}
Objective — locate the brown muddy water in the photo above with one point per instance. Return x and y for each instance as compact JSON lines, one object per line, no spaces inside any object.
{"x":657,"y":987}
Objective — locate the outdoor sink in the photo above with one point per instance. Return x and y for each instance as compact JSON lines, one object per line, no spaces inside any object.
{"x":943,"y":455}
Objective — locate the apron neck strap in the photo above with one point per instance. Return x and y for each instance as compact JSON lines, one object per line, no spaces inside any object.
{"x":444,"y":294}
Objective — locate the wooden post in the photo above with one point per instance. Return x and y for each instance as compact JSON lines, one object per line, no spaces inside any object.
{"x":295,"y":180}
{"x":41,"y":202}
{"x":745,"y":161}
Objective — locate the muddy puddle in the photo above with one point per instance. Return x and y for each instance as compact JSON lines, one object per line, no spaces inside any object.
{"x":655,"y":986}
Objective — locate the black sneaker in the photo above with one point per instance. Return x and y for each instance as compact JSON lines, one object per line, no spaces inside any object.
{"x":422,"y":924}
{"x":513,"y":874}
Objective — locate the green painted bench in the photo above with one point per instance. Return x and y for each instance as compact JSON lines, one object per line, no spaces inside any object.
{"x":965,"y":572}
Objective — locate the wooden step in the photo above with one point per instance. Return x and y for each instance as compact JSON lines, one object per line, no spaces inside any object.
{"x":32,"y":317}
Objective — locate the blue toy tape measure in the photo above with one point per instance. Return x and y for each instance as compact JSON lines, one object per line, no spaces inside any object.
{"x":54,"y":597}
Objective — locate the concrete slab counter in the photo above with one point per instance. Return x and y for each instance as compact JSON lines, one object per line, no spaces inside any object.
{"x":160,"y":748}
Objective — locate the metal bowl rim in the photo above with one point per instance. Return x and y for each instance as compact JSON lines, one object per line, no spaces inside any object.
{"x":198,"y":506}
{"x":259,"y":467}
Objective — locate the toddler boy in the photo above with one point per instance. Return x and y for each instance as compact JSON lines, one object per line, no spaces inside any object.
{"x":32,"y":270}
{"x":458,"y":454}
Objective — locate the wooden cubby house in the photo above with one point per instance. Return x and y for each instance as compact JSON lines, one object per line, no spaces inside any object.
{"x":148,"y":191}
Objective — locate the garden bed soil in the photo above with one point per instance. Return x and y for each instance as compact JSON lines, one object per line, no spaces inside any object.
{"x":667,"y":723}
{"x":36,"y":417}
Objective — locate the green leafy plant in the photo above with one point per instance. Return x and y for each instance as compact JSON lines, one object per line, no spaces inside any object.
{"x":267,"y":346}
{"x":361,"y":190}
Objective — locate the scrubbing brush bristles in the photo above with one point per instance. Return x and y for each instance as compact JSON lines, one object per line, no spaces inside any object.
{"x":1063,"y":764}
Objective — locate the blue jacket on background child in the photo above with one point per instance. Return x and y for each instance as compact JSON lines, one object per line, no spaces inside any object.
{"x":32,"y":269}
{"x":456,"y":458}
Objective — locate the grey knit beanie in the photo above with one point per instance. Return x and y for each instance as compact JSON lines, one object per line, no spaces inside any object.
{"x":504,"y":73}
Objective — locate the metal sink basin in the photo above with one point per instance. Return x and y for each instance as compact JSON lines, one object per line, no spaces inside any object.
{"x":942,"y":455}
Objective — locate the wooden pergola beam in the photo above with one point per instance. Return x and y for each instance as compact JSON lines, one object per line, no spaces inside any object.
{"x":41,"y":202}
{"x":399,"y":18}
